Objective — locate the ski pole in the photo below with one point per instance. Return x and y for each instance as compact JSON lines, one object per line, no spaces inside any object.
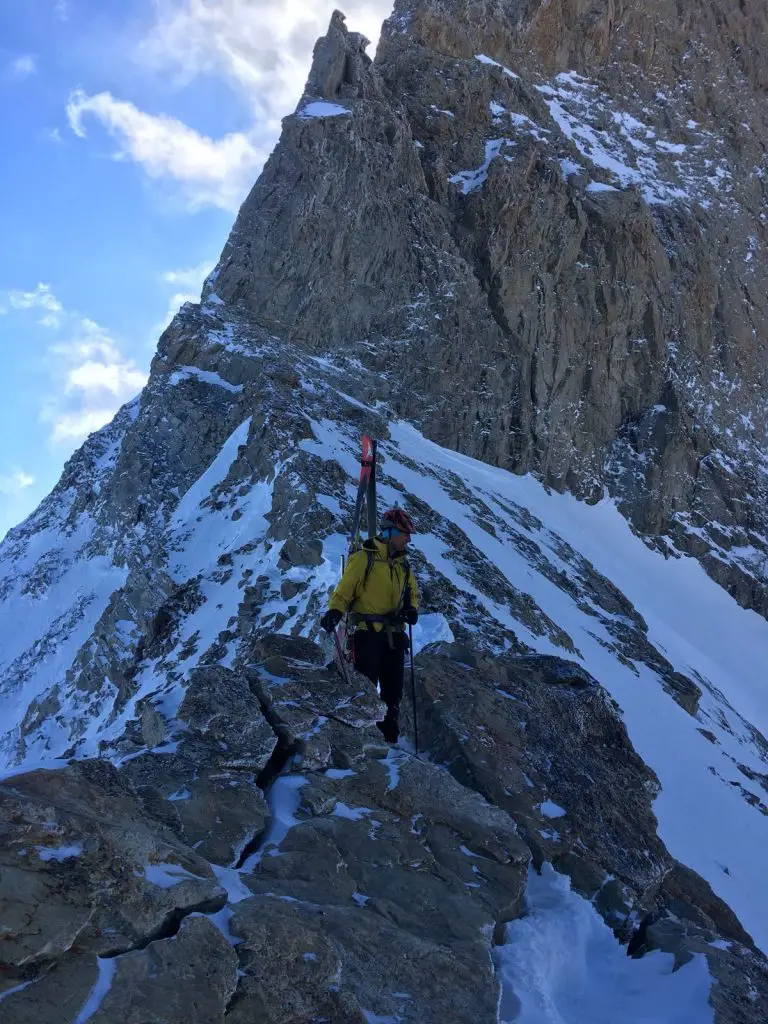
{"x":413,"y":695}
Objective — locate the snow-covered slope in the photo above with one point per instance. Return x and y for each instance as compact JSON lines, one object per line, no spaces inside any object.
{"x":254,"y":544}
{"x":475,"y":248}
{"x":712,"y":815}
{"x":561,"y":963}
{"x":58,"y":571}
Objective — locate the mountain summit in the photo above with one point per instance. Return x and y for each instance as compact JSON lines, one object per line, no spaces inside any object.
{"x":561,"y":207}
{"x":524,"y":249}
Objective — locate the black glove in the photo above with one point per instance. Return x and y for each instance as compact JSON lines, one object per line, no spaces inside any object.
{"x":331,"y":619}
{"x":411,"y":616}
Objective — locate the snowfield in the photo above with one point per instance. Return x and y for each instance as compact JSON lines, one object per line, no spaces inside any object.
{"x":561,"y":965}
{"x":703,"y":819}
{"x":704,"y":816}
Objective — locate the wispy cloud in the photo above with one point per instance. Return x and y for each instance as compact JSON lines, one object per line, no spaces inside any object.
{"x":261,"y":50}
{"x":16,"y":482}
{"x":42,"y":298}
{"x":22,"y":67}
{"x":215,"y":172}
{"x":191,"y":280}
{"x":94,"y":379}
{"x":61,"y":10}
{"x":90,"y":376}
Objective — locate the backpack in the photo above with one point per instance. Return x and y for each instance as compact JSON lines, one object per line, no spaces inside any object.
{"x":369,"y":546}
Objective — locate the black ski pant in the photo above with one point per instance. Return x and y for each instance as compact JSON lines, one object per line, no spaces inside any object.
{"x":382,"y":663}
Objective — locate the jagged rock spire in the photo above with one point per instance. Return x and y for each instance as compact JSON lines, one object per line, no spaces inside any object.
{"x":461,"y":210}
{"x":340,"y":63}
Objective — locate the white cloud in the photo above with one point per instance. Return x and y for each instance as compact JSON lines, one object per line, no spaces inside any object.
{"x":91,"y":377}
{"x":41,"y":298}
{"x":262,"y":50}
{"x":24,"y":66}
{"x":72,"y":428}
{"x":94,"y":379}
{"x":15,"y":482}
{"x":61,"y":10}
{"x":114,"y":378}
{"x":215,"y":172}
{"x":191,"y":278}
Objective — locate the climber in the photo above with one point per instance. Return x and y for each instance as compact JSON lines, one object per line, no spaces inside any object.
{"x":378,"y":591}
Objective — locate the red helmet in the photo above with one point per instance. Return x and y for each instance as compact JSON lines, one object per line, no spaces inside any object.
{"x":396,"y":518}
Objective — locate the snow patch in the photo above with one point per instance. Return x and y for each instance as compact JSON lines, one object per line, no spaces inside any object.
{"x":229,"y":879}
{"x":222,"y":921}
{"x":562,"y":965}
{"x":205,"y":376}
{"x":471,"y":180}
{"x":322,"y":109}
{"x":15,"y":989}
{"x":551,"y":810}
{"x":570,"y":167}
{"x":341,"y":810}
{"x":599,"y":186}
{"x":166,"y":876}
{"x":283,"y":800}
{"x":339,"y":773}
{"x":628,"y":149}
{"x":484,"y":59}
{"x":102,"y":986}
{"x":180,"y":794}
{"x":59,"y":853}
{"x":392,"y":763}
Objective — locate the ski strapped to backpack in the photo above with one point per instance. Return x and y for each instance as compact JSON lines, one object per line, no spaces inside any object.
{"x":366,"y":495}
{"x":370,"y":497}
{"x":366,"y":498}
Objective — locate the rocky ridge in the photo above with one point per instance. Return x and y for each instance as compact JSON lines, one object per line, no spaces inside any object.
{"x":222,"y":737}
{"x":573,"y":229}
{"x":159,"y":609}
{"x":370,"y":883}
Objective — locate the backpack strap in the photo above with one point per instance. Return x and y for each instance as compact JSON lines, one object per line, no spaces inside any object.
{"x":371,"y":556}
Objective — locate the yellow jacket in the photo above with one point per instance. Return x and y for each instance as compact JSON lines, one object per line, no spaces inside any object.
{"x":389,"y":588}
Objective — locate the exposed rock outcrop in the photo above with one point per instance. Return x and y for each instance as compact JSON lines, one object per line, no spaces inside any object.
{"x":533,"y":231}
{"x":595,"y":280}
{"x":378,"y":884}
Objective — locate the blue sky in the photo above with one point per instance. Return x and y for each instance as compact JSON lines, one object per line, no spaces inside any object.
{"x":130,"y":133}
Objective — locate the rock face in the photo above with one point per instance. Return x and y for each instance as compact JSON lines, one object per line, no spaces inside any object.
{"x":530,"y":233}
{"x":558,"y":205}
{"x":82,"y":868}
{"x":174,"y":657}
{"x":379,"y":884}
{"x":208,"y":793}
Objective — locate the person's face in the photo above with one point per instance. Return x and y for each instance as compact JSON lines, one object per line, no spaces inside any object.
{"x":399,"y":541}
